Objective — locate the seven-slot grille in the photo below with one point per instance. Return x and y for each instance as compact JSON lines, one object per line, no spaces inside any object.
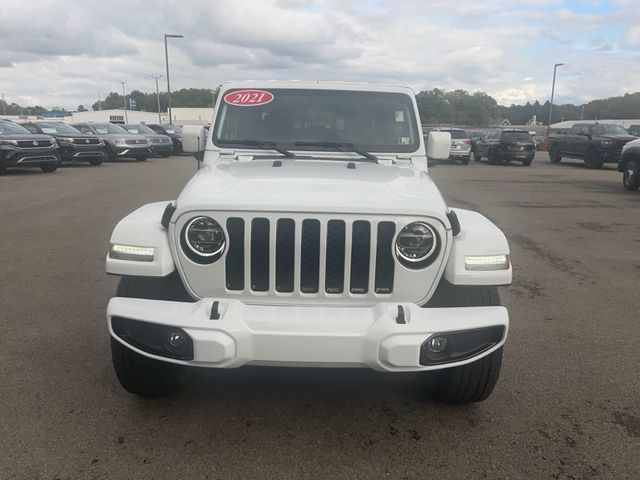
{"x":310,"y":256}
{"x":86,"y":141}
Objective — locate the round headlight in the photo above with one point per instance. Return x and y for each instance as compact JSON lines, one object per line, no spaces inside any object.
{"x":203,"y":239}
{"x":416,"y":245}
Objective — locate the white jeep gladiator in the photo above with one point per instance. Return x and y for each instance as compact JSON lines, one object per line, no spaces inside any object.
{"x":310,"y":236}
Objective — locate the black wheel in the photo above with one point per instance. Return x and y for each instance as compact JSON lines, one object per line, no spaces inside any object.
{"x":165,"y":155}
{"x":475,"y":381}
{"x":138,"y":374}
{"x":465,"y":160}
{"x":95,"y":162}
{"x":144,"y":376}
{"x":49,"y":168}
{"x":554,"y":154}
{"x":592,"y":160}
{"x":527,"y":162}
{"x":492,"y":157}
{"x":631,"y":175}
{"x":141,"y":159}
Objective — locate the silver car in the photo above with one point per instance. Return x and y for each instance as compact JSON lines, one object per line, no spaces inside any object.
{"x":460,"y":145}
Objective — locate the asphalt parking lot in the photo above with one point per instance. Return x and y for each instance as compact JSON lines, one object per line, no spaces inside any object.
{"x":567,"y":404}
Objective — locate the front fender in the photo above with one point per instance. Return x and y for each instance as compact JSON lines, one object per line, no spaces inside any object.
{"x":142,"y":228}
{"x":478,"y":236}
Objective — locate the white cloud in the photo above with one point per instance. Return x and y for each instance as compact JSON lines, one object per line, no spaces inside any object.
{"x":502,"y":47}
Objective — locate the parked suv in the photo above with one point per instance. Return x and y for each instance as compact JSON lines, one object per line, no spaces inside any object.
{"x":160,"y":144}
{"x":172,"y":131}
{"x":503,"y":146}
{"x":460,"y":145}
{"x":118,"y":141}
{"x":21,"y":148}
{"x":74,"y":146}
{"x":328,"y":245}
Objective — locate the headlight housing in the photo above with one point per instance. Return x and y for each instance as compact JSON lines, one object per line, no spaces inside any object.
{"x":203,"y":240}
{"x":8,"y":142}
{"x":606,"y":143}
{"x":120,"y":141}
{"x":417,"y":245}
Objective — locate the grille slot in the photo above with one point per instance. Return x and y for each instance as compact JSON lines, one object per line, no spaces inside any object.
{"x":334,"y":265}
{"x":260,"y":254}
{"x":360,"y":253}
{"x":385,"y":266}
{"x":310,"y":256}
{"x":285,"y":254}
{"x":235,"y":255}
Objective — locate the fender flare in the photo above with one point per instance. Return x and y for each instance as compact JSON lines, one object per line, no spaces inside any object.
{"x":142,"y":228}
{"x":478,"y":236}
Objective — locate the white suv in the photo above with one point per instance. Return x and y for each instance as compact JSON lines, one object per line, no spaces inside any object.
{"x":313,"y":236}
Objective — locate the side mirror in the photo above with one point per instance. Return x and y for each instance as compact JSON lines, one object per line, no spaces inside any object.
{"x":194,"y":139}
{"x":438,"y":146}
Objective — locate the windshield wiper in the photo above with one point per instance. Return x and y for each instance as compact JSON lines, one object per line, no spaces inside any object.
{"x":262,"y":144}
{"x":345,"y":146}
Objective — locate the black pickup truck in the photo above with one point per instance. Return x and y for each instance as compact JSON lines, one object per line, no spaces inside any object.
{"x":595,"y":143}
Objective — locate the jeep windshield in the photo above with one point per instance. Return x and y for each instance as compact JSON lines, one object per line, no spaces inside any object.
{"x":318,"y":120}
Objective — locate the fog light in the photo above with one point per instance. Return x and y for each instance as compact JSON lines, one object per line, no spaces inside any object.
{"x":460,"y":345}
{"x":437,"y":344}
{"x":161,"y":340}
{"x":177,"y":339}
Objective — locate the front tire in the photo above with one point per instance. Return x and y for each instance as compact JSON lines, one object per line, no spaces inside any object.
{"x":49,"y":168}
{"x":631,"y":175}
{"x":141,"y":159}
{"x":554,"y":154}
{"x":527,"y":162}
{"x":475,"y":381}
{"x":492,"y":157}
{"x":141,"y":375}
{"x":95,"y":162}
{"x":592,"y":160}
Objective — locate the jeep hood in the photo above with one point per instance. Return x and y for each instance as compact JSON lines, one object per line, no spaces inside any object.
{"x":312,"y":186}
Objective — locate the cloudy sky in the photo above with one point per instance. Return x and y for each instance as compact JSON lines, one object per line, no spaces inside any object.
{"x":63,"y":52}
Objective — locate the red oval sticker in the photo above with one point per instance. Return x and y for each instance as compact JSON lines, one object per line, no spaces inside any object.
{"x":248,"y":98}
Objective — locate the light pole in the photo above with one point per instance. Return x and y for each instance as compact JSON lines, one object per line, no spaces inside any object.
{"x":166,"y":59}
{"x":157,"y":76}
{"x":124,"y":102}
{"x":553,"y":88}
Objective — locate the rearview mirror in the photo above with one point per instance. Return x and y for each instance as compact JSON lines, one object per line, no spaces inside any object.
{"x":194,"y":139}
{"x":438,"y":146}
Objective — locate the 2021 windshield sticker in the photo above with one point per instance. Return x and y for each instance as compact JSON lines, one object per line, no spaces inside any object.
{"x":248,"y":98}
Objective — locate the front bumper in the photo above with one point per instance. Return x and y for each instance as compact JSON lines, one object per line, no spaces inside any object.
{"x":133,"y":151}
{"x":28,"y":157}
{"x":162,"y":148}
{"x":81,"y":153}
{"x":307,"y":335}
